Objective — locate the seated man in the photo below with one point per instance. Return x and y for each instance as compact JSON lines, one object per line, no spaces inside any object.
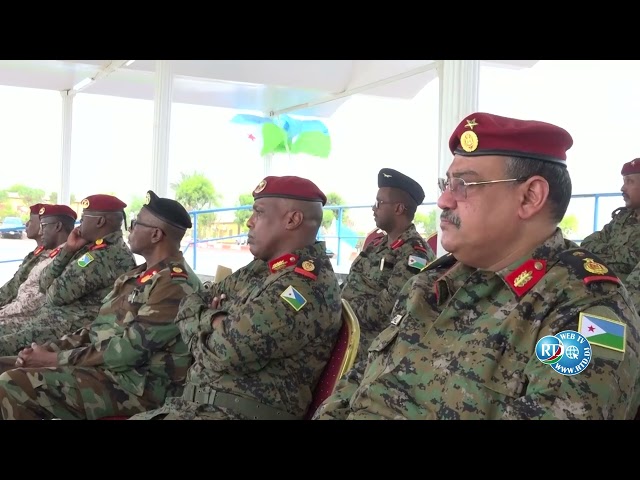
{"x":261,"y":347}
{"x":516,"y":322}
{"x":388,"y":261}
{"x":618,"y":243}
{"x":79,"y":278}
{"x":9,"y":290}
{"x":132,"y":356}
{"x":56,"y":222}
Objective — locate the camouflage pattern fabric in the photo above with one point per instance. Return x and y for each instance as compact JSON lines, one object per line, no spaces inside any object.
{"x":282,"y":322}
{"x":127,"y":361}
{"x":376,"y":277}
{"x":29,"y":299}
{"x":74,"y":285}
{"x":461,"y":345}
{"x":9,"y":290}
{"x":618,"y":243}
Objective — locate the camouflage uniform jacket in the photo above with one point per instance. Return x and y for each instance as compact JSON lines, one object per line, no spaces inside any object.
{"x":282,"y":322}
{"x":618,"y":243}
{"x":134,"y":339}
{"x":462,"y":345}
{"x":82,"y":279}
{"x":376,"y":277}
{"x":9,"y":290}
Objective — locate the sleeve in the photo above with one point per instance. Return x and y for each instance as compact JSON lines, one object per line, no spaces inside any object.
{"x":65,"y":281}
{"x":9,"y":290}
{"x":273,"y":324}
{"x":77,"y":339}
{"x":601,"y":237}
{"x":605,"y":389}
{"x":146,"y":333}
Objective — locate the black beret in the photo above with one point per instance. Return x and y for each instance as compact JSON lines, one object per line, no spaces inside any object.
{"x":168,"y":210}
{"x":388,"y":177}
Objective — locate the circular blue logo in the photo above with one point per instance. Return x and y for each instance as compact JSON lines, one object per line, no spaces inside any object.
{"x":567,"y":353}
{"x":549,"y":350}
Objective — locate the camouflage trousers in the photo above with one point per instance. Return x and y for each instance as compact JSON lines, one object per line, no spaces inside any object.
{"x":67,"y":393}
{"x":50,"y":324}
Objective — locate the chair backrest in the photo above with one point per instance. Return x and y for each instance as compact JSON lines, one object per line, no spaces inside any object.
{"x":432,"y":241}
{"x":343,"y":356}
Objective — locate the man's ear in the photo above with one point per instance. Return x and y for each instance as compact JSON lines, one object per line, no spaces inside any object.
{"x":101,"y":221}
{"x":534,"y":193}
{"x":294,"y":219}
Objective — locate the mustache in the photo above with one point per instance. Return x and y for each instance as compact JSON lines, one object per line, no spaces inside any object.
{"x":450,"y":217}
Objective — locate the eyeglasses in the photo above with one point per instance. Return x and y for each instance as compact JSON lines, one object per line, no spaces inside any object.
{"x":87,"y":215}
{"x":136,"y":222}
{"x":377,"y":203}
{"x":458,"y":187}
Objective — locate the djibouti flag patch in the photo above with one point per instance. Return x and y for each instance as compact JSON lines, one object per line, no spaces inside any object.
{"x":85,"y":260}
{"x":417,"y":262}
{"x":602,"y":331}
{"x":293,"y":298}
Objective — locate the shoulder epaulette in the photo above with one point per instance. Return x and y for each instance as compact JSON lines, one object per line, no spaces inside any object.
{"x":38,"y":250}
{"x":587,"y":266}
{"x":420,"y":246}
{"x":308,"y":266}
{"x":445,"y":261}
{"x":99,"y":244}
{"x":177,"y":272}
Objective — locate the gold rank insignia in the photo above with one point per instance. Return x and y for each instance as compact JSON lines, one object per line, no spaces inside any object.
{"x":469,"y":139}
{"x":260,"y":186}
{"x":99,"y":241}
{"x":177,"y":269}
{"x":84,"y":203}
{"x":591,"y":266}
{"x":308,"y":265}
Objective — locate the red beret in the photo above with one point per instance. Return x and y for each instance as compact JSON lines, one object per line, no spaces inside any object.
{"x":488,"y":134}
{"x":103,"y":203}
{"x":35,"y":209}
{"x":631,"y":167}
{"x":57,"y":210}
{"x":289,"y":187}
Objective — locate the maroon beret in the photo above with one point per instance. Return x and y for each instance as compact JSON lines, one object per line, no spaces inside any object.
{"x":57,"y":210}
{"x":631,"y":167}
{"x":103,"y":203}
{"x":35,"y":209}
{"x":488,"y":134}
{"x":289,"y":187}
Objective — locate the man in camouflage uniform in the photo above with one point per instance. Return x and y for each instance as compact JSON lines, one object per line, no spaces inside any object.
{"x":10,"y":289}
{"x":261,"y":347}
{"x":80,"y":276}
{"x":618,"y":243}
{"x":461,"y":342}
{"x":56,"y":223}
{"x":132,"y":356}
{"x":389,"y":260}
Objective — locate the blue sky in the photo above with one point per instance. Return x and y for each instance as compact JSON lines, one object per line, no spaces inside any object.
{"x":596,"y":101}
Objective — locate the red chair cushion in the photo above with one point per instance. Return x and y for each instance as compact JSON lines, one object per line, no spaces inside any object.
{"x":432,"y":241}
{"x":329,"y":376}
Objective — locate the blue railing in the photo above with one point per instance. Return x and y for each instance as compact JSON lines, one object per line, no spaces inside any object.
{"x":343,"y":233}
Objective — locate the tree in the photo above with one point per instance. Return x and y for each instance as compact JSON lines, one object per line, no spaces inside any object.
{"x":328,"y":215}
{"x":569,"y":225}
{"x":426,"y":220}
{"x":135,"y":205}
{"x":53,"y":198}
{"x":243,"y":215}
{"x":5,"y":207}
{"x":29,"y":195}
{"x":196,"y":192}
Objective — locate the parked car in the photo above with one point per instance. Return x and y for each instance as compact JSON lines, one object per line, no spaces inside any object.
{"x":12,"y":227}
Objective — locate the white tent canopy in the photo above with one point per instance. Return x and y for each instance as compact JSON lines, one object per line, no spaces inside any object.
{"x":304,"y":87}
